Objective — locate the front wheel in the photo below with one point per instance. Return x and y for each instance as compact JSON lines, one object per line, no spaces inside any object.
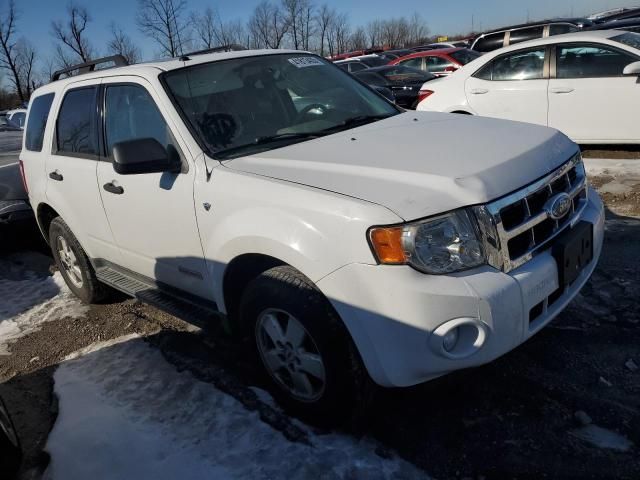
{"x":306,"y":352}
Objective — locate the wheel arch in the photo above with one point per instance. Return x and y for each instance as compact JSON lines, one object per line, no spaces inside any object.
{"x":45,"y":214}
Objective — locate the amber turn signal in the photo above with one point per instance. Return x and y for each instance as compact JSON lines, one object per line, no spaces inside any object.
{"x":387,"y":244}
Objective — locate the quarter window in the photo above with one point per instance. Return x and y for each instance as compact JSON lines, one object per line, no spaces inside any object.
{"x":131,"y":113}
{"x":560,"y":28}
{"x":77,"y":125}
{"x":40,"y":107}
{"x":522,"y":65}
{"x":590,"y":61}
{"x":437,"y":64}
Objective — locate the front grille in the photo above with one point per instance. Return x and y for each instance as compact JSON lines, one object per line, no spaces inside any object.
{"x":522,"y":220}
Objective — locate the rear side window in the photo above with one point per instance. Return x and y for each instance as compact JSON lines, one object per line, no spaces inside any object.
{"x":357,"y":66}
{"x":77,"y":125}
{"x":489,"y":43}
{"x":464,"y":56}
{"x":40,"y":107}
{"x":524,"y":34}
{"x":413,"y":62}
{"x":560,"y":28}
{"x":437,"y":64}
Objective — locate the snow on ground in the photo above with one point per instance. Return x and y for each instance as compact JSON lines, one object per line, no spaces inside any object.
{"x":625,"y":174}
{"x":125,"y":412}
{"x":28,"y":299}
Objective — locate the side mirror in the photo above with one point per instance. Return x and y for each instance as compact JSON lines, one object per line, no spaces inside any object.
{"x":632,"y":69}
{"x":450,"y":69}
{"x":143,"y":155}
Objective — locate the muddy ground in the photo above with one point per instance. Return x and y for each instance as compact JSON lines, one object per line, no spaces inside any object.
{"x":537,"y":412}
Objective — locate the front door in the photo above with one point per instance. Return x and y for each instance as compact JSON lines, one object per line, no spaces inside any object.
{"x":589,"y":98}
{"x":512,"y":86}
{"x":151,"y":215}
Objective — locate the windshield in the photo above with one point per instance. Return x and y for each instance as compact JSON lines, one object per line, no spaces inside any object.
{"x":464,"y":56}
{"x":631,"y":39}
{"x":251,"y":104}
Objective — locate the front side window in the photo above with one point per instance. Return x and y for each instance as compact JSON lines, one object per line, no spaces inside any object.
{"x":38,"y":115}
{"x":131,"y":114}
{"x":524,"y":34}
{"x":590,"y":61}
{"x":437,"y":64}
{"x":251,"y":104}
{"x":77,"y":125}
{"x":413,"y":62}
{"x":521,"y":65}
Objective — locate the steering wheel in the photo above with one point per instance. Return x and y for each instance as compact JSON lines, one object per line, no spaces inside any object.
{"x":305,"y":111}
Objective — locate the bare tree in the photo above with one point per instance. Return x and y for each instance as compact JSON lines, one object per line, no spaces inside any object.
{"x":267,"y":26}
{"x":374,"y":33}
{"x":121,"y":44}
{"x":324,"y":19}
{"x":292,"y":10}
{"x":204,"y":27}
{"x":338,"y":38}
{"x":26,"y":65}
{"x":359,"y":39}
{"x":71,"y":34}
{"x":10,"y":58}
{"x":162,"y":20}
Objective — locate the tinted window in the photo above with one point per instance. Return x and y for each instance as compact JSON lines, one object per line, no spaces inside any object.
{"x":402,"y":74}
{"x":559,"y":29}
{"x":464,"y":56}
{"x":437,"y":64}
{"x":38,"y":115}
{"x":18,"y":118}
{"x":590,"y":61}
{"x":374,"y":61}
{"x":131,"y":113}
{"x":76,"y":129}
{"x":489,"y":42}
{"x":413,"y":62}
{"x":357,"y":66}
{"x":631,"y":39}
{"x":343,"y":66}
{"x":522,"y":65}
{"x":525,"y":34}
{"x":485,"y":72}
{"x":371,"y":78}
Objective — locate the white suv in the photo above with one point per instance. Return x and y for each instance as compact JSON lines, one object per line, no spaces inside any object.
{"x":347,"y":239}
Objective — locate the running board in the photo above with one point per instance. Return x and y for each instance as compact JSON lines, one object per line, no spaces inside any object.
{"x":192,"y":310}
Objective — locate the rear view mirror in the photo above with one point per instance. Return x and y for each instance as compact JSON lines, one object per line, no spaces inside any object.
{"x":632,"y":69}
{"x":143,"y":155}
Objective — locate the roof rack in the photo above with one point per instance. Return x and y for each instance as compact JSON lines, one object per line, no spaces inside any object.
{"x":90,"y":66}
{"x":232,"y":47}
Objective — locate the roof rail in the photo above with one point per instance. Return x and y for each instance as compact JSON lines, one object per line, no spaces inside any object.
{"x":232,"y":47}
{"x":90,"y":66}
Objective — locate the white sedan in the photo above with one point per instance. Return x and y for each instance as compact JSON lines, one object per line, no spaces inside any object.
{"x":585,"y":84}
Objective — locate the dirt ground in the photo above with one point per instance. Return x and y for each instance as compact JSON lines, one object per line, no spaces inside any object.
{"x":538,"y":412}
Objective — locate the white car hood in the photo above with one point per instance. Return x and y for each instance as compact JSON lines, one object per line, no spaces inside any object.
{"x":419,"y":164}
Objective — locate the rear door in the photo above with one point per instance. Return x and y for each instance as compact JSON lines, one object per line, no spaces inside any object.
{"x":152,"y":214}
{"x":589,"y":98}
{"x":72,"y":188}
{"x":512,"y":86}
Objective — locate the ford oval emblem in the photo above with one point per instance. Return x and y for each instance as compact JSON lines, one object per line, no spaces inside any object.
{"x":558,"y":206}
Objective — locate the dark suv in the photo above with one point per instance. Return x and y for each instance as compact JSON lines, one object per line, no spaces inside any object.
{"x":505,"y":36}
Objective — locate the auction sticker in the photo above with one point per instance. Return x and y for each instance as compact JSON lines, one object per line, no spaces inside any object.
{"x":302,"y":62}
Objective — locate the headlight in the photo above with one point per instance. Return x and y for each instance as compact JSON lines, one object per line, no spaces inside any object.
{"x":444,"y":244}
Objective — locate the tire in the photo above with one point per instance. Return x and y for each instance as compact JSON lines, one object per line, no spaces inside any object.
{"x":282,"y":296}
{"x":74,"y":266}
{"x":10,"y":451}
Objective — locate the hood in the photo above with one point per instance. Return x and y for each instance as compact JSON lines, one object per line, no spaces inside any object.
{"x":419,"y":164}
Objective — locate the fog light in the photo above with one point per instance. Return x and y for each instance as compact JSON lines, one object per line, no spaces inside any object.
{"x":450,"y":339}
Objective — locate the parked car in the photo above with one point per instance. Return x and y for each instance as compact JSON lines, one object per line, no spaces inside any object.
{"x":621,"y":15}
{"x":365,"y":244}
{"x":393,"y":54}
{"x":355,"y":53}
{"x":629,"y":24}
{"x":363,"y":62}
{"x":403,"y":82}
{"x":602,"y":16}
{"x":10,"y":450}
{"x":584,"y":84}
{"x":6,"y":125}
{"x":17,"y":117}
{"x":438,"y":62}
{"x":14,"y":201}
{"x":503,"y":37}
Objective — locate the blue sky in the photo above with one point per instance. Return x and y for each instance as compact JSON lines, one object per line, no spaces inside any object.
{"x":447,"y":17}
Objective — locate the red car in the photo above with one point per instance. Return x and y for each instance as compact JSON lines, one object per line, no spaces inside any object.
{"x":438,"y":62}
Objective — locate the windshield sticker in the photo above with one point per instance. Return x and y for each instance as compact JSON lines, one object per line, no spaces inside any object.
{"x":302,"y":62}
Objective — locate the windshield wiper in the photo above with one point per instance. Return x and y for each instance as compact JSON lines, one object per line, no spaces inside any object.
{"x":356,"y":121}
{"x":229,"y":152}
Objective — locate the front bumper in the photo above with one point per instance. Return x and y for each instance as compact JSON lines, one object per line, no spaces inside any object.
{"x":395,"y":314}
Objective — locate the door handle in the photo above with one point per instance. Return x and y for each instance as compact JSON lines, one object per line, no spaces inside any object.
{"x":479,"y":91}
{"x":561,"y":89}
{"x":111,"y":188}
{"x":56,"y":175}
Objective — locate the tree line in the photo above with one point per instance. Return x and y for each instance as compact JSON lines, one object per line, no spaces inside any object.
{"x":174,"y":30}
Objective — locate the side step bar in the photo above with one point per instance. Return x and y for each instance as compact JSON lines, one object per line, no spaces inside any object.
{"x":192,"y":310}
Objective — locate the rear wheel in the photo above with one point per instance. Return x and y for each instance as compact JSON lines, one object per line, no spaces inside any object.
{"x":74,"y":264}
{"x":306,"y":353}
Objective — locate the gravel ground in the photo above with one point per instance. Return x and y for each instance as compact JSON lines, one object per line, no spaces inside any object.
{"x":539,"y":412}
